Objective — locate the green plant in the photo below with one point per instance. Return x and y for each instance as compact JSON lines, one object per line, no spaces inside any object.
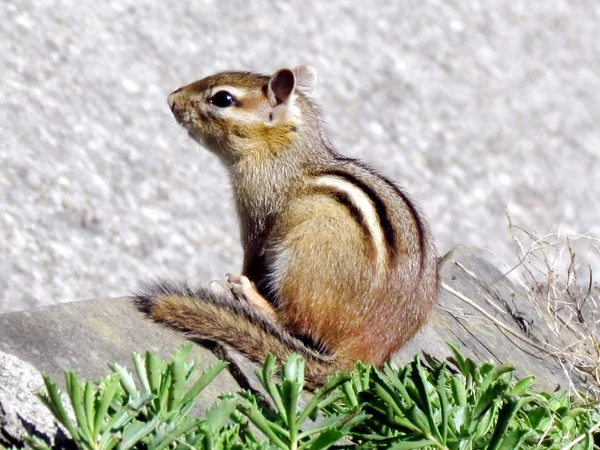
{"x":287,"y":425}
{"x":479,"y":406}
{"x":115,"y":413}
{"x":471,"y":406}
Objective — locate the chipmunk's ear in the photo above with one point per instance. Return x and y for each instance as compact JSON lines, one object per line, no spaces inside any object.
{"x":306,"y":78}
{"x":280,"y":87}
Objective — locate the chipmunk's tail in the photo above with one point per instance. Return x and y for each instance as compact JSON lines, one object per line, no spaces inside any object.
{"x":204,"y":313}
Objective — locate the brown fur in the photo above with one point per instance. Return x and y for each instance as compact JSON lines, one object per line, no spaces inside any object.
{"x":307,"y":246}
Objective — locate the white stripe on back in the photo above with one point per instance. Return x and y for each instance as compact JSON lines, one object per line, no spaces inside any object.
{"x":367,"y":209}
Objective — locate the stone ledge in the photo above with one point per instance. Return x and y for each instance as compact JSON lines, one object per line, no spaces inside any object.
{"x":85,"y":336}
{"x":463,"y":270}
{"x":82,"y":337}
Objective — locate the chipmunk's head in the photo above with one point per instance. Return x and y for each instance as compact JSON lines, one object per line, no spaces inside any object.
{"x":242,"y":114}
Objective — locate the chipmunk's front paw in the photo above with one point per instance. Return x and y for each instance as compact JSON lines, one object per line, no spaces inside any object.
{"x":242,"y":287}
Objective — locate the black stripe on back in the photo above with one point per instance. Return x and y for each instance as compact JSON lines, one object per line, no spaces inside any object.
{"x":344,"y":199}
{"x":414,"y":212}
{"x":387,"y":226}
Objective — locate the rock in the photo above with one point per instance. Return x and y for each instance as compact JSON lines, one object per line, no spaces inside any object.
{"x":464,"y":271}
{"x":21,"y":412}
{"x":82,"y":337}
{"x":85,"y":336}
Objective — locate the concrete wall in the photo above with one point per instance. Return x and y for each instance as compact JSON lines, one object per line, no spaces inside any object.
{"x":474,"y":106}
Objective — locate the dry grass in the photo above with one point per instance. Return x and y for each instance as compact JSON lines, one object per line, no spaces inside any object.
{"x":561,"y":287}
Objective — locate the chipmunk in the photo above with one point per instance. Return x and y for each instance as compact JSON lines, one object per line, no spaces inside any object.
{"x":339,"y":265}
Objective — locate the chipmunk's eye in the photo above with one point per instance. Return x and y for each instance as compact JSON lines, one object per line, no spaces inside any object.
{"x":222,"y":99}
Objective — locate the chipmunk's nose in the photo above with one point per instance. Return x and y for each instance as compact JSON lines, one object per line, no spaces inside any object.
{"x":172,"y":99}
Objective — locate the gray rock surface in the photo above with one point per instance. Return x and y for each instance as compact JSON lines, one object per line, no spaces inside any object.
{"x":85,"y":336}
{"x":473,"y":106}
{"x":22,"y":414}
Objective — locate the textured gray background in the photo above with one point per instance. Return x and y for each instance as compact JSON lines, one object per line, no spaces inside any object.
{"x":473,"y":106}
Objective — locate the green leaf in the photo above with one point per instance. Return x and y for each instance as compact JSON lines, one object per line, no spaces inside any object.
{"x":577,"y":412}
{"x":506,"y":414}
{"x":267,"y":382}
{"x":218,"y":415}
{"x":420,"y":380}
{"x":522,"y":386}
{"x":483,"y":424}
{"x":410,"y":444}
{"x":491,"y":373}
{"x":178,"y":372}
{"x":349,"y":391}
{"x":174,"y":434}
{"x":587,"y":443}
{"x":162,"y":400}
{"x":136,"y":431}
{"x":329,"y":422}
{"x":291,"y":387}
{"x":260,"y":422}
{"x":342,"y":422}
{"x":353,"y":420}
{"x":117,"y":421}
{"x":126,"y":379}
{"x":492,"y":394}
{"x":207,"y":376}
{"x":390,"y":377}
{"x":440,"y":385}
{"x":558,"y":400}
{"x":88,"y":406}
{"x":461,"y":363}
{"x":32,"y":442}
{"x":458,"y":391}
{"x":323,"y":396}
{"x":140,"y":370}
{"x":75,"y":391}
{"x":569,"y":424}
{"x":290,"y":368}
{"x":539,"y":418}
{"x":154,"y":371}
{"x":387,"y":395}
{"x":419,"y":419}
{"x":361,"y":376}
{"x":460,"y":418}
{"x":514,"y":439}
{"x":324,"y":441}
{"x":54,"y":403}
{"x":106,"y":398}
